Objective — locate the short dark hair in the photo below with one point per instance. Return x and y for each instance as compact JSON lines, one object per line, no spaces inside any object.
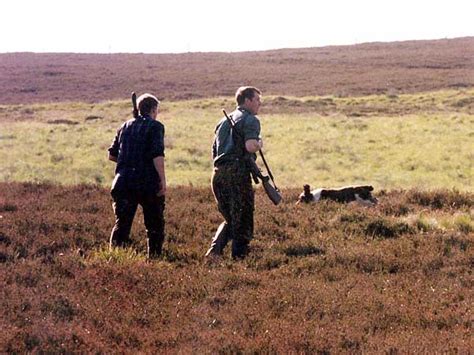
{"x":246,"y":92}
{"x":146,"y":103}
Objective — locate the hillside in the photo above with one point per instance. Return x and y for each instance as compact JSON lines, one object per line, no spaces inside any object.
{"x":373,"y":68}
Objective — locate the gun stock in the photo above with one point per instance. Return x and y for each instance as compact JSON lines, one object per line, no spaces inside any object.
{"x":134,"y":103}
{"x":272,"y":192}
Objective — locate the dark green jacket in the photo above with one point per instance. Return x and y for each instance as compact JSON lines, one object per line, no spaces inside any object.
{"x":227,"y":144}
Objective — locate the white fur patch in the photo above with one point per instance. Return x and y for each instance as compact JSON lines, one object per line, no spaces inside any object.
{"x":316,"y":194}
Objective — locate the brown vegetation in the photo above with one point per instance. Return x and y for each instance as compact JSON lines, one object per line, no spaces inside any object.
{"x":320,"y":278}
{"x":373,"y":68}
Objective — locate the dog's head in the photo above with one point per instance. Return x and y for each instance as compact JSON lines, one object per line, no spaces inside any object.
{"x":306,"y":196}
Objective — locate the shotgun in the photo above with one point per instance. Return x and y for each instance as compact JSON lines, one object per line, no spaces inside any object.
{"x":271,"y":190}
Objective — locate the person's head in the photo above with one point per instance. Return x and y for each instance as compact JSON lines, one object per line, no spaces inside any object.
{"x":148,"y":105}
{"x":248,"y":97}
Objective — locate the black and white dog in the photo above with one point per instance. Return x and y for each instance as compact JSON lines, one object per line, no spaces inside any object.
{"x":360,"y":194}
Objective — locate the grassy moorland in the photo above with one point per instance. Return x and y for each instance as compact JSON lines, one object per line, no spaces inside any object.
{"x":422,"y":140}
{"x":327,"y":278}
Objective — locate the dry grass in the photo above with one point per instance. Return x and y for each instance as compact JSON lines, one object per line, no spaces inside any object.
{"x":326,"y":278}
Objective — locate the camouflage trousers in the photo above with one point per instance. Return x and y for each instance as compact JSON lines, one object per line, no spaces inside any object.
{"x":125,"y":206}
{"x":232,"y":188}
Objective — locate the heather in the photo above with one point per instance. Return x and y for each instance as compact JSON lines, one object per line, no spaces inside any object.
{"x":363,"y":69}
{"x":324,"y":278}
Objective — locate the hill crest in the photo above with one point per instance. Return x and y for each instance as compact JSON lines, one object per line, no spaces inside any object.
{"x":362,"y":69}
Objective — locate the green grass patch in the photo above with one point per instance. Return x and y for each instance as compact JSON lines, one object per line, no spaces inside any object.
{"x":420,"y":140}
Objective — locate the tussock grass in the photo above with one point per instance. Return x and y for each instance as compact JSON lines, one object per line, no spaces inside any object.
{"x":462,"y":222}
{"x":419,"y":140}
{"x":465,"y":223}
{"x":442,"y":221}
{"x":426,"y":224}
{"x":121,"y":256}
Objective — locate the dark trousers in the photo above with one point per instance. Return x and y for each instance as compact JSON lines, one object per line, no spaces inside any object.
{"x":125,"y":206}
{"x":232,"y":188}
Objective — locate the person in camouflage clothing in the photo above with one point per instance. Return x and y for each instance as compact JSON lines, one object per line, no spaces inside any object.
{"x":231,"y":180}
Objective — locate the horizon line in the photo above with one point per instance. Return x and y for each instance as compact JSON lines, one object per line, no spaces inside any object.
{"x":244,"y":51}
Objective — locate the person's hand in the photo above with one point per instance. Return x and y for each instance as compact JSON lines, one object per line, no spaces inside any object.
{"x":162,"y":191}
{"x":253,"y":145}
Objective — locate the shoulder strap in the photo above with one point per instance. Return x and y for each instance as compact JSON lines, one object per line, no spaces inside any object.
{"x":239,"y":133}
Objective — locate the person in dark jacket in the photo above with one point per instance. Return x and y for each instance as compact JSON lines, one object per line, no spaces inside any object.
{"x":138,"y":150}
{"x":231,"y":180}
